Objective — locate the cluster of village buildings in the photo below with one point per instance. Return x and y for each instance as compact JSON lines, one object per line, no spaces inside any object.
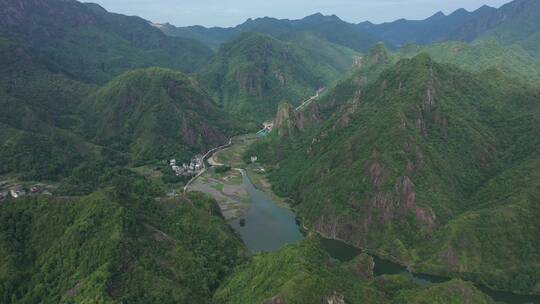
{"x":194,"y":167}
{"x":19,"y":191}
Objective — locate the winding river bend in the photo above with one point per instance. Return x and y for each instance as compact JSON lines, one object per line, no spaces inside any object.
{"x":344,"y":252}
{"x":266,"y":227}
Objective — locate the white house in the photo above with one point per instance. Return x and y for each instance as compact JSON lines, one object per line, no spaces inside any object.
{"x":15,"y":193}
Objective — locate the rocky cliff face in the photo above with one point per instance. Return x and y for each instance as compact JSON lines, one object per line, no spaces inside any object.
{"x":404,"y":156}
{"x":250,"y":75}
{"x":336,"y":298}
{"x":156,"y":113}
{"x":506,"y":17}
{"x":288,"y":121}
{"x":378,"y":54}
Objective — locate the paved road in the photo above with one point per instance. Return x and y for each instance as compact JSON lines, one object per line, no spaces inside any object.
{"x":310,"y":100}
{"x":205,"y":157}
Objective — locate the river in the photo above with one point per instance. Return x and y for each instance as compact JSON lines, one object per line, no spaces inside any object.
{"x":344,"y":252}
{"x":266,"y":227}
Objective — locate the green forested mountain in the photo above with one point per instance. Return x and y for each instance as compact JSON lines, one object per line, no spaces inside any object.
{"x":39,"y":108}
{"x":53,"y":124}
{"x":303,"y":273}
{"x":87,"y":43}
{"x":427,"y":156}
{"x":113,"y":242}
{"x":513,"y":23}
{"x":114,"y":246}
{"x":330,"y":28}
{"x":438,"y":27}
{"x":415,"y":155}
{"x":156,"y":114}
{"x":513,"y":61}
{"x":252,"y":74}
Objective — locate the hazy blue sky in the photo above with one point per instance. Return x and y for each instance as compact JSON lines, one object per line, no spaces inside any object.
{"x":233,"y":12}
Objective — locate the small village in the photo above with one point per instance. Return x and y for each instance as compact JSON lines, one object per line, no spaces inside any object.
{"x":17,"y":191}
{"x":195,"y":166}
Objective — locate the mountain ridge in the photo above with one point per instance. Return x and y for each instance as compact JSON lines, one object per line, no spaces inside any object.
{"x":87,"y":43}
{"x":402,"y":159}
{"x":460,"y":25}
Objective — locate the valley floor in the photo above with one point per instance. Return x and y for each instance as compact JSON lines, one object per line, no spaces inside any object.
{"x":226,"y":188}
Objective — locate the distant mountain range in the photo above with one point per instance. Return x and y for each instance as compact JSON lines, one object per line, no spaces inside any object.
{"x":425,"y":152}
{"x":461,"y":25}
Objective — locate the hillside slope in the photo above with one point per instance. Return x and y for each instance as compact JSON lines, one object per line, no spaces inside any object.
{"x":52,"y":124}
{"x":330,"y":28}
{"x":513,"y":61}
{"x":114,"y":246}
{"x":513,"y":23}
{"x":436,"y":28}
{"x":406,"y":156}
{"x":39,"y":108}
{"x":252,"y":74}
{"x":304,"y":273}
{"x":87,"y":43}
{"x":156,"y":114}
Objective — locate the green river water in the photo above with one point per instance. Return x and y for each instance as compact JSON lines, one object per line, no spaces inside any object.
{"x":267,"y":227}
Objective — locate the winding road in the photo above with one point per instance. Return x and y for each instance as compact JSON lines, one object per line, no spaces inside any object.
{"x":310,"y":100}
{"x":205,"y":158}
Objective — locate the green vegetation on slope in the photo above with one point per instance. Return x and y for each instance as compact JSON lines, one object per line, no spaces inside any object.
{"x":329,"y":28}
{"x":304,"y":273}
{"x":503,"y":221}
{"x":406,"y":157}
{"x":432,"y":166}
{"x":114,"y":246}
{"x":52,"y":125}
{"x":39,"y":108}
{"x":514,"y":23}
{"x":252,"y":74}
{"x":479,"y":56}
{"x":87,"y":43}
{"x":453,"y":292}
{"x":156,"y":114}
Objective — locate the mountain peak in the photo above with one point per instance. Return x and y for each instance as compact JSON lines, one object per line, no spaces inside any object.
{"x":485,"y":8}
{"x":416,"y":66}
{"x":316,"y":15}
{"x":437,"y":15}
{"x":321,"y":18}
{"x":96,"y":8}
{"x":459,"y":12}
{"x":422,"y":59}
